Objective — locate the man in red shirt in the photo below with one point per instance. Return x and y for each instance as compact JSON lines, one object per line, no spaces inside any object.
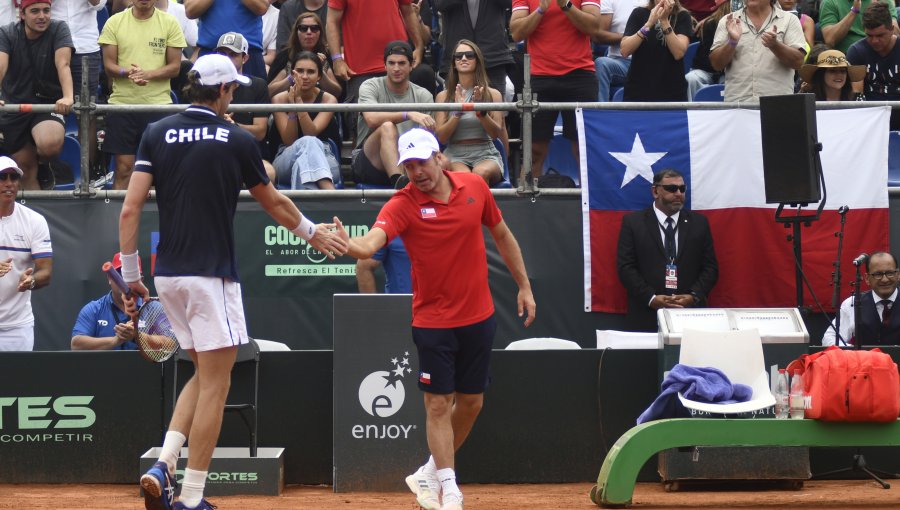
{"x":439,"y":215}
{"x":558,"y":34}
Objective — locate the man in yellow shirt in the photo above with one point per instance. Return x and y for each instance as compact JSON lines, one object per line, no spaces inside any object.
{"x":141,"y":53}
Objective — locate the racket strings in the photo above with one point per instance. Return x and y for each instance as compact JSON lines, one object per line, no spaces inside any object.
{"x":156,"y":337}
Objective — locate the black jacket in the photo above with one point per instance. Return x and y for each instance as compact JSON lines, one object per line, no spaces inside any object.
{"x":489,"y":32}
{"x":641,"y":261}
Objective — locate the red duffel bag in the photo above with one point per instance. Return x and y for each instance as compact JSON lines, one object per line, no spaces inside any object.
{"x":849,"y":385}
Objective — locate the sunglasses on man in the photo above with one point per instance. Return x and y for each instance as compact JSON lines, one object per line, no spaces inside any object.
{"x":672,"y":188}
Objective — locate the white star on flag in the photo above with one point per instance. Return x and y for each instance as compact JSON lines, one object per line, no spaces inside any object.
{"x":637,"y":162}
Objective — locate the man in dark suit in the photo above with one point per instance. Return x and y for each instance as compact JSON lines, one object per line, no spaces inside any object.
{"x":878,"y":326}
{"x":665,"y":257}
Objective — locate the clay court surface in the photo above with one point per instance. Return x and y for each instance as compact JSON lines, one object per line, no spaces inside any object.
{"x":825,"y":495}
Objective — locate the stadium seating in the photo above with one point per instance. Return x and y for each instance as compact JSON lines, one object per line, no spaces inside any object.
{"x":71,"y":155}
{"x":894,"y":159}
{"x":689,"y":56}
{"x":711,"y":93}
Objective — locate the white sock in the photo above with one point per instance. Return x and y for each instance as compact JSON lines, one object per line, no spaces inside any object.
{"x":171,"y":449}
{"x":430,"y":467}
{"x":447,"y":477}
{"x":192,"y":487}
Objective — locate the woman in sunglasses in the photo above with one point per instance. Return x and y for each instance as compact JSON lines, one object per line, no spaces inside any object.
{"x":306,"y":160}
{"x":656,"y":37}
{"x":307,"y":35}
{"x":469,"y":135}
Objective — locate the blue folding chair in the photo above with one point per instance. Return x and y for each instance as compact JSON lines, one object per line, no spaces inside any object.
{"x":339,"y":183}
{"x":504,"y":183}
{"x":710,"y":93}
{"x":689,"y":56}
{"x":71,"y":124}
{"x":559,"y":157}
{"x":71,"y":154}
{"x":894,"y":159}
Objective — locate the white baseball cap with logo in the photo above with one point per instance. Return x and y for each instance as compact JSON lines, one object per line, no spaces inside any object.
{"x":7,"y":163}
{"x":215,"y":69}
{"x":416,"y":144}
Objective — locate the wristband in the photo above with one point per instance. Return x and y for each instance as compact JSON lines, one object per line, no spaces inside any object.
{"x":644,"y":32}
{"x":337,"y":56}
{"x":122,"y":71}
{"x":540,"y":11}
{"x":291,"y":79}
{"x":306,"y":230}
{"x":33,"y":283}
{"x":292,"y":116}
{"x":405,"y":116}
{"x":131,"y":267}
{"x":458,"y":114}
{"x":854,"y":10}
{"x":732,"y":43}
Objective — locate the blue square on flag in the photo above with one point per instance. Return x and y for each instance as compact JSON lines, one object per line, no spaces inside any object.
{"x":635,"y":146}
{"x":429,"y":212}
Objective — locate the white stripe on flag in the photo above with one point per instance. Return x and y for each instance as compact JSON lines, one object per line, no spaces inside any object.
{"x":727,"y":168}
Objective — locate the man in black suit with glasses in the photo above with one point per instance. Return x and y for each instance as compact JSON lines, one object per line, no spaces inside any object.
{"x":665,"y":256}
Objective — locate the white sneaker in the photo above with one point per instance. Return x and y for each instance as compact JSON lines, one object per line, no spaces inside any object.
{"x":453,"y":501}
{"x":426,"y":488}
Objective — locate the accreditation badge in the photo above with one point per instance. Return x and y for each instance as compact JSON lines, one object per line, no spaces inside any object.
{"x":671,"y":276}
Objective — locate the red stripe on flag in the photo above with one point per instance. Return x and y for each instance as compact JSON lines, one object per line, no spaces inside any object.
{"x":756,"y":260}
{"x":607,"y":293}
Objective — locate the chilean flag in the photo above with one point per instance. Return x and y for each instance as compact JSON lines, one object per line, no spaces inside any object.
{"x":720,"y":154}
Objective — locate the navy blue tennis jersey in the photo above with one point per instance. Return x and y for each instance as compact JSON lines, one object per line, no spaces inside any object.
{"x":199,"y":163}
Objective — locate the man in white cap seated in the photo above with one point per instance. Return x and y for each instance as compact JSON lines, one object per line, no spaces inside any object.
{"x":439,"y":215}
{"x":26,"y":261}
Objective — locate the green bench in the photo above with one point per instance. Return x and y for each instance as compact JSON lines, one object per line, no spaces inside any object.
{"x":615,"y":483}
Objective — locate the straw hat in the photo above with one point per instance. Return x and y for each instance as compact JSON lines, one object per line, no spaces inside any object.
{"x":831,"y":59}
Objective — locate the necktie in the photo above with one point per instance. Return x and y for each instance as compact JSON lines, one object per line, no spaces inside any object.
{"x":670,"y":239}
{"x":885,"y":313}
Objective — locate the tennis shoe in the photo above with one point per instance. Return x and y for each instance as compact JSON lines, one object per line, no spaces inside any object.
{"x":453,"y":501}
{"x":426,"y":488}
{"x":159,"y":487}
{"x":204,"y":505}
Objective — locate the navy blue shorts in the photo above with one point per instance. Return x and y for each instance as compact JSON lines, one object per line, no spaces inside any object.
{"x":455,"y":359}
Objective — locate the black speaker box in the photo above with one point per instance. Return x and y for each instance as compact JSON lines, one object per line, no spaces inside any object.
{"x":790,"y":157}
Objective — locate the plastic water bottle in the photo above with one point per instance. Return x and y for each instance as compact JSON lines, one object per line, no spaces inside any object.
{"x":782,"y":395}
{"x":797,"y":397}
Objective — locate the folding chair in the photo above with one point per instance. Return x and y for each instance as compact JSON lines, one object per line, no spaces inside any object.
{"x":248,"y":411}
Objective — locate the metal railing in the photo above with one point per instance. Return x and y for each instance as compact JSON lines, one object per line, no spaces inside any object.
{"x":527,"y":106}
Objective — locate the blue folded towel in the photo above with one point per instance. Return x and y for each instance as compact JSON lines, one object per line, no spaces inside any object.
{"x":704,"y":384}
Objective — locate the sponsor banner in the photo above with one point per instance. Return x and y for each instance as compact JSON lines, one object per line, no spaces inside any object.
{"x":62,"y":415}
{"x":379,"y":418}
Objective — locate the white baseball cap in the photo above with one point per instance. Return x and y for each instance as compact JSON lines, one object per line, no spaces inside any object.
{"x":417,"y":144}
{"x":215,"y":69}
{"x":7,"y":163}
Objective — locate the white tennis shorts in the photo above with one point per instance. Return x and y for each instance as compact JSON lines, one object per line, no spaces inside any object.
{"x":17,"y":339}
{"x":206,"y":312}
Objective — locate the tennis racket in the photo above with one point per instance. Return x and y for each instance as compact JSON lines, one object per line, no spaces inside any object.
{"x":154,"y":335}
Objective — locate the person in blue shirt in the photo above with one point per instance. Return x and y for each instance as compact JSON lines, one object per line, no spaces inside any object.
{"x":396,"y":270}
{"x":104,"y":324}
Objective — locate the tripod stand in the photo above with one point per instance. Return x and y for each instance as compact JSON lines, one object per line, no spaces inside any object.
{"x":859,"y":461}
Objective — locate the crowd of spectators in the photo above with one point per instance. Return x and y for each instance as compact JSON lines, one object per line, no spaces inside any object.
{"x":137,"y":52}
